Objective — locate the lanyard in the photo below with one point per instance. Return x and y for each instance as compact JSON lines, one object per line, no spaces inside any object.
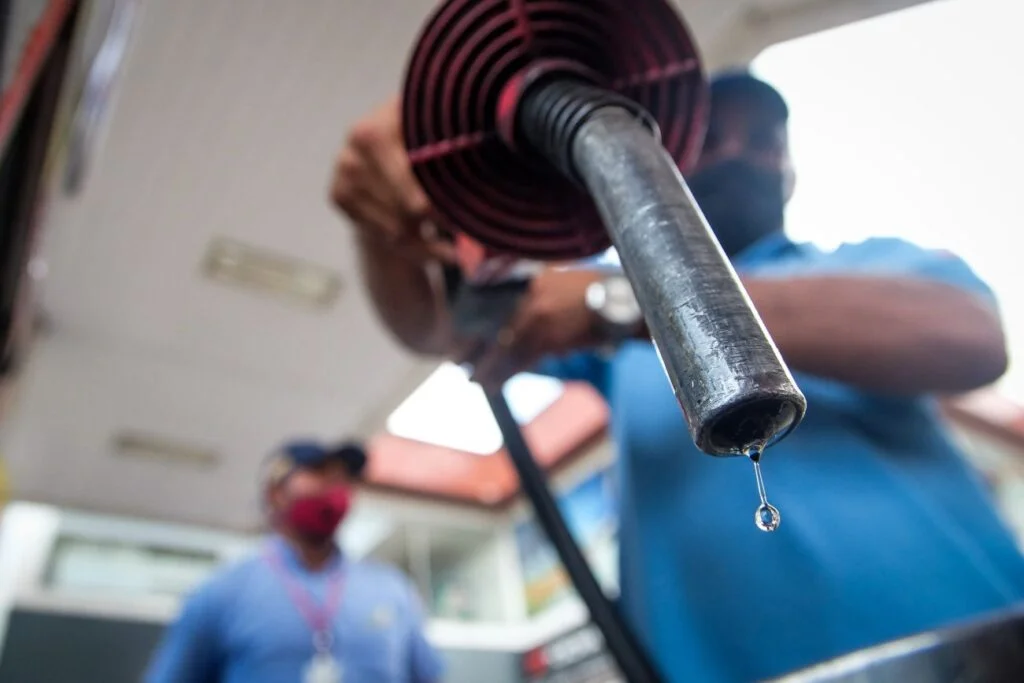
{"x":319,"y":617}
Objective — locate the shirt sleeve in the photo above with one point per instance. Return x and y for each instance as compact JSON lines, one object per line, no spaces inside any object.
{"x":895,"y":257}
{"x":190,"y":651}
{"x":425,"y":664}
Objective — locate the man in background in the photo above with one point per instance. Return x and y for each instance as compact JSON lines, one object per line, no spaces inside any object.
{"x":885,"y":530}
{"x":299,"y":610}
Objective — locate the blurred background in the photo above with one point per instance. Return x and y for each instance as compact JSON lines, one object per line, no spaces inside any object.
{"x":178,"y":297}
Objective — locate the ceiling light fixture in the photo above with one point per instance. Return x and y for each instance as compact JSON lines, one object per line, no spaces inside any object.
{"x":138,"y":445}
{"x":261,"y":270}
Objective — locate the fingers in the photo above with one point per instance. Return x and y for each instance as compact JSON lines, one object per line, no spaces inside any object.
{"x":371,"y":216}
{"x":372,"y":212}
{"x":551,"y":318}
{"x":348,"y":169}
{"x":393,"y":162}
{"x":379,"y":141}
{"x":357,"y":179}
{"x":375,"y":186}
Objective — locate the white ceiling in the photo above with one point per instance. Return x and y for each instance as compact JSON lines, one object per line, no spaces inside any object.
{"x":227,"y":117}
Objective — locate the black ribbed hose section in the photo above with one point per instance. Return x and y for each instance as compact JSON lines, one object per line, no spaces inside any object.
{"x":554,"y":109}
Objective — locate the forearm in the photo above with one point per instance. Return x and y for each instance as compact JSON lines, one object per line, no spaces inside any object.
{"x":407,"y":296}
{"x":890,"y":335}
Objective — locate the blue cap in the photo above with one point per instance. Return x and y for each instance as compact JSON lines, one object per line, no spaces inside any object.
{"x":304,"y":454}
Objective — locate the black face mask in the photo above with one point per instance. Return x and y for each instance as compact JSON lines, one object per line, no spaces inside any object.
{"x":741,"y":201}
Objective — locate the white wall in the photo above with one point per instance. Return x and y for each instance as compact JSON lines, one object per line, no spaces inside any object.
{"x":29,"y":534}
{"x":26,"y":533}
{"x":119,"y":582}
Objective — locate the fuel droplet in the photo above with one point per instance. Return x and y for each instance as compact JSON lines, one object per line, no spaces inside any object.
{"x":767,"y":517}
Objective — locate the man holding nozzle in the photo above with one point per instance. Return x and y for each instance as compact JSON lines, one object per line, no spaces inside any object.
{"x":885,"y":530}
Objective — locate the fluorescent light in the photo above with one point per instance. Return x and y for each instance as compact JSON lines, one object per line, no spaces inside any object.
{"x":133,"y":444}
{"x":268,"y":272}
{"x":448,"y":410}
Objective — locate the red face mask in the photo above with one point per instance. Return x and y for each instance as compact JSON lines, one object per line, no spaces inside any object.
{"x":317,"y":517}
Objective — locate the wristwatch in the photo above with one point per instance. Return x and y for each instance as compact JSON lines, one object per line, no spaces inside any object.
{"x":613,"y":303}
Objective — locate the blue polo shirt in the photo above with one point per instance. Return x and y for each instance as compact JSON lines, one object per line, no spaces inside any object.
{"x":885,"y":532}
{"x":243,"y":627}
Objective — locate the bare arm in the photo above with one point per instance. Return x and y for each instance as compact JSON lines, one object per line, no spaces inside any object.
{"x":401,"y":253}
{"x":408,"y":297}
{"x":893,"y":335}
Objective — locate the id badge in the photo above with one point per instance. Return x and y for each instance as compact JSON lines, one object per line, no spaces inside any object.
{"x":323,"y":668}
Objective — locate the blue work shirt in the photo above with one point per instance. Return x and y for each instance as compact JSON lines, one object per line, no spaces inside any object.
{"x":243,"y":627}
{"x":886,"y":531}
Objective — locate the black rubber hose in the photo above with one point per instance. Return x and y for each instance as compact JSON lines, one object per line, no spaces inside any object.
{"x":631,"y":657}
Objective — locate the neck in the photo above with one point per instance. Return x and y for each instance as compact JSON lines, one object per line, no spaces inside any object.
{"x":313,"y":555}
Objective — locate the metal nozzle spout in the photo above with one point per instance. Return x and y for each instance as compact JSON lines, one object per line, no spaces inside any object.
{"x":729,"y":378}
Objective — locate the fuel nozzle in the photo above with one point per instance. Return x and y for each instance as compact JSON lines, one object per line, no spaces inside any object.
{"x":552,"y":129}
{"x":732,"y":384}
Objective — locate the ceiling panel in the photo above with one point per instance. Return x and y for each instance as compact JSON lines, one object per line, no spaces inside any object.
{"x":77,"y":397}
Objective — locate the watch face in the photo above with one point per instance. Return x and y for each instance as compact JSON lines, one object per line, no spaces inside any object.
{"x":620,"y":305}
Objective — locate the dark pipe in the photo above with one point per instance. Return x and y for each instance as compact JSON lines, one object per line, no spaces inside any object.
{"x":985,"y":650}
{"x":630,"y":656}
{"x":726,"y":372}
